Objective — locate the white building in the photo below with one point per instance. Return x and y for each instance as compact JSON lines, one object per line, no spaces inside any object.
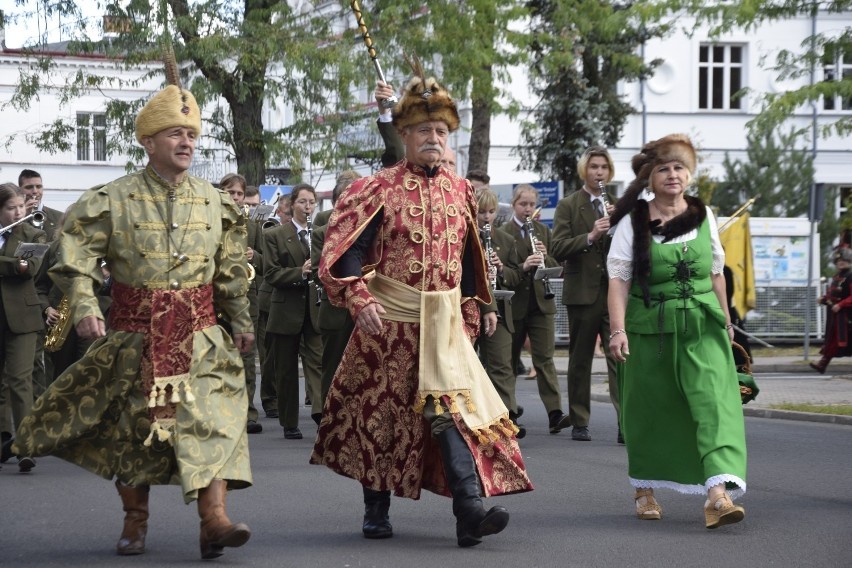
{"x":690,"y":93}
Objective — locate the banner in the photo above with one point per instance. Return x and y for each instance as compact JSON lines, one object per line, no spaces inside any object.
{"x":736,"y":240}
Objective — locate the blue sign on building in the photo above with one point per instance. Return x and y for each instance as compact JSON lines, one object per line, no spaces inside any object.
{"x":271,"y":193}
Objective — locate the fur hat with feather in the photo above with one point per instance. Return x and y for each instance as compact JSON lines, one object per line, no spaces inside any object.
{"x":424,"y":100}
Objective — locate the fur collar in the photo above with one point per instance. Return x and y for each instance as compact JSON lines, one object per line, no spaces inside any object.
{"x":643,"y":228}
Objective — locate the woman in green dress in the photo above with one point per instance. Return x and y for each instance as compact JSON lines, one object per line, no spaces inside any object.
{"x":680,"y":408}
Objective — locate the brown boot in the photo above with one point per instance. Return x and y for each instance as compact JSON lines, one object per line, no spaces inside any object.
{"x":135,"y":501}
{"x":217,"y":531}
{"x":821,"y":365}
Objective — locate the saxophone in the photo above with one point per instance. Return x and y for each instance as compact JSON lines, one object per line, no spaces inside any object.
{"x":58,"y":332}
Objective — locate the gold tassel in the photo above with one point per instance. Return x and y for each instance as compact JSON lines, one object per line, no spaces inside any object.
{"x":187,"y":394}
{"x":149,"y":439}
{"x":508,"y":432}
{"x":454,"y":408}
{"x":469,"y":401}
{"x":438,"y":408}
{"x":483,"y":439}
{"x":163,"y":434}
{"x":152,"y":398}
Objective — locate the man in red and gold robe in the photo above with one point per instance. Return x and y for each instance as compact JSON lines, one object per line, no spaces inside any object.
{"x":410,"y":406}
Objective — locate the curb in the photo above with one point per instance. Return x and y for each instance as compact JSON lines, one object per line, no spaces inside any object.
{"x":795,"y":415}
{"x":799,"y":368}
{"x":774,"y":413}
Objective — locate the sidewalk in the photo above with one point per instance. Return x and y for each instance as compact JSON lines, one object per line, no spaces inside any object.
{"x":835,"y":387}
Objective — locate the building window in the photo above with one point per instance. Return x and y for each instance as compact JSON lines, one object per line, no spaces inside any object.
{"x":91,"y":137}
{"x":837,"y":66}
{"x":720,"y":76}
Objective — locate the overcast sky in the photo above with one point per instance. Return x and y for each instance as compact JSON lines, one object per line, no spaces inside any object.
{"x":27,"y":30}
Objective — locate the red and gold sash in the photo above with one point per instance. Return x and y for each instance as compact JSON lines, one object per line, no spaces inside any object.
{"x":167,"y":320}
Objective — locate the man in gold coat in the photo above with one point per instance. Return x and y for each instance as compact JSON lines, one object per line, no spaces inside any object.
{"x":160,"y":398}
{"x":410,"y":406}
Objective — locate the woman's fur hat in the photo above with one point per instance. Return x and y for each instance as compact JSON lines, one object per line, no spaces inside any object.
{"x":672,"y":147}
{"x":425,"y":100}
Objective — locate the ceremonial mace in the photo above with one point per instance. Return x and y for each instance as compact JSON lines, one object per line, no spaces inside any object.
{"x":368,"y":41}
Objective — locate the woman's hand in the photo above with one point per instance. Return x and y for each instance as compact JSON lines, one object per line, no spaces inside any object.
{"x":619,"y":348}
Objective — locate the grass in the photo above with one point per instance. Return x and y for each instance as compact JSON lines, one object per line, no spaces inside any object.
{"x":842,"y":409}
{"x":791,"y":351}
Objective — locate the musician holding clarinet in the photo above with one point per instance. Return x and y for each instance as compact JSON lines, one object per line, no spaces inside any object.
{"x":580,"y":240}
{"x":533,"y":307}
{"x":293,"y":310}
{"x":495,"y":350}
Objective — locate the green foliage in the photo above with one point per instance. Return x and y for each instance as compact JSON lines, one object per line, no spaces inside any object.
{"x":777,"y":170}
{"x":581,"y":50}
{"x":235,"y":57}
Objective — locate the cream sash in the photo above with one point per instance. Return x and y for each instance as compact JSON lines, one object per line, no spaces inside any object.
{"x":448,"y":365}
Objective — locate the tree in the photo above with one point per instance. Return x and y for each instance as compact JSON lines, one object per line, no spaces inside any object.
{"x":818,"y":55}
{"x":251,"y":54}
{"x":776,"y":170}
{"x":473,"y":43}
{"x":779,"y":172}
{"x":582,"y":49}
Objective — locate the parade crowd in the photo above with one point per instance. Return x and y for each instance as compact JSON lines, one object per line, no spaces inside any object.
{"x":131,"y":336}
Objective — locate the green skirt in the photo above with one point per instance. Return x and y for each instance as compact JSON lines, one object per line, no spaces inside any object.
{"x":95,"y":415}
{"x":681,"y":412}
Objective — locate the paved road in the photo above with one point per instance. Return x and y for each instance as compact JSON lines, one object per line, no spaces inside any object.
{"x":798,"y":509}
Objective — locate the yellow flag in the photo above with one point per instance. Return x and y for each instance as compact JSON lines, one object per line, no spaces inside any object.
{"x":736,"y":238}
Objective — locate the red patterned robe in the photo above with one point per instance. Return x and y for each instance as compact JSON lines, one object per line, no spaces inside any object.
{"x":837,"y":324}
{"x":373,"y":429}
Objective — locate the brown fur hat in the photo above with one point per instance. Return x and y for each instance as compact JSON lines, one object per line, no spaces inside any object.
{"x":425,"y":100}
{"x":672,"y":147}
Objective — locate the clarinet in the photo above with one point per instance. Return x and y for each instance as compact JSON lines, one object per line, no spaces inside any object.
{"x":492,"y":270}
{"x":604,"y":202}
{"x":548,"y":291}
{"x":309,"y":227}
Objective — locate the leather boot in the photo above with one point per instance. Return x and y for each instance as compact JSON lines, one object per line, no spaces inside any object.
{"x":376,"y":518}
{"x":217,"y":531}
{"x":135,"y":502}
{"x":821,"y":365}
{"x":472,"y":520}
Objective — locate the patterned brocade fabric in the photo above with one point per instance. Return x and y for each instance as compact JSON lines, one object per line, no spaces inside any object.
{"x":372,"y":428}
{"x":158,"y":239}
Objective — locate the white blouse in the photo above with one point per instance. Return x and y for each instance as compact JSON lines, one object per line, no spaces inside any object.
{"x":620,"y":260}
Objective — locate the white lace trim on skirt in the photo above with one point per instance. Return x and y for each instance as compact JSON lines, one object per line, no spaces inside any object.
{"x":693,"y":489}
